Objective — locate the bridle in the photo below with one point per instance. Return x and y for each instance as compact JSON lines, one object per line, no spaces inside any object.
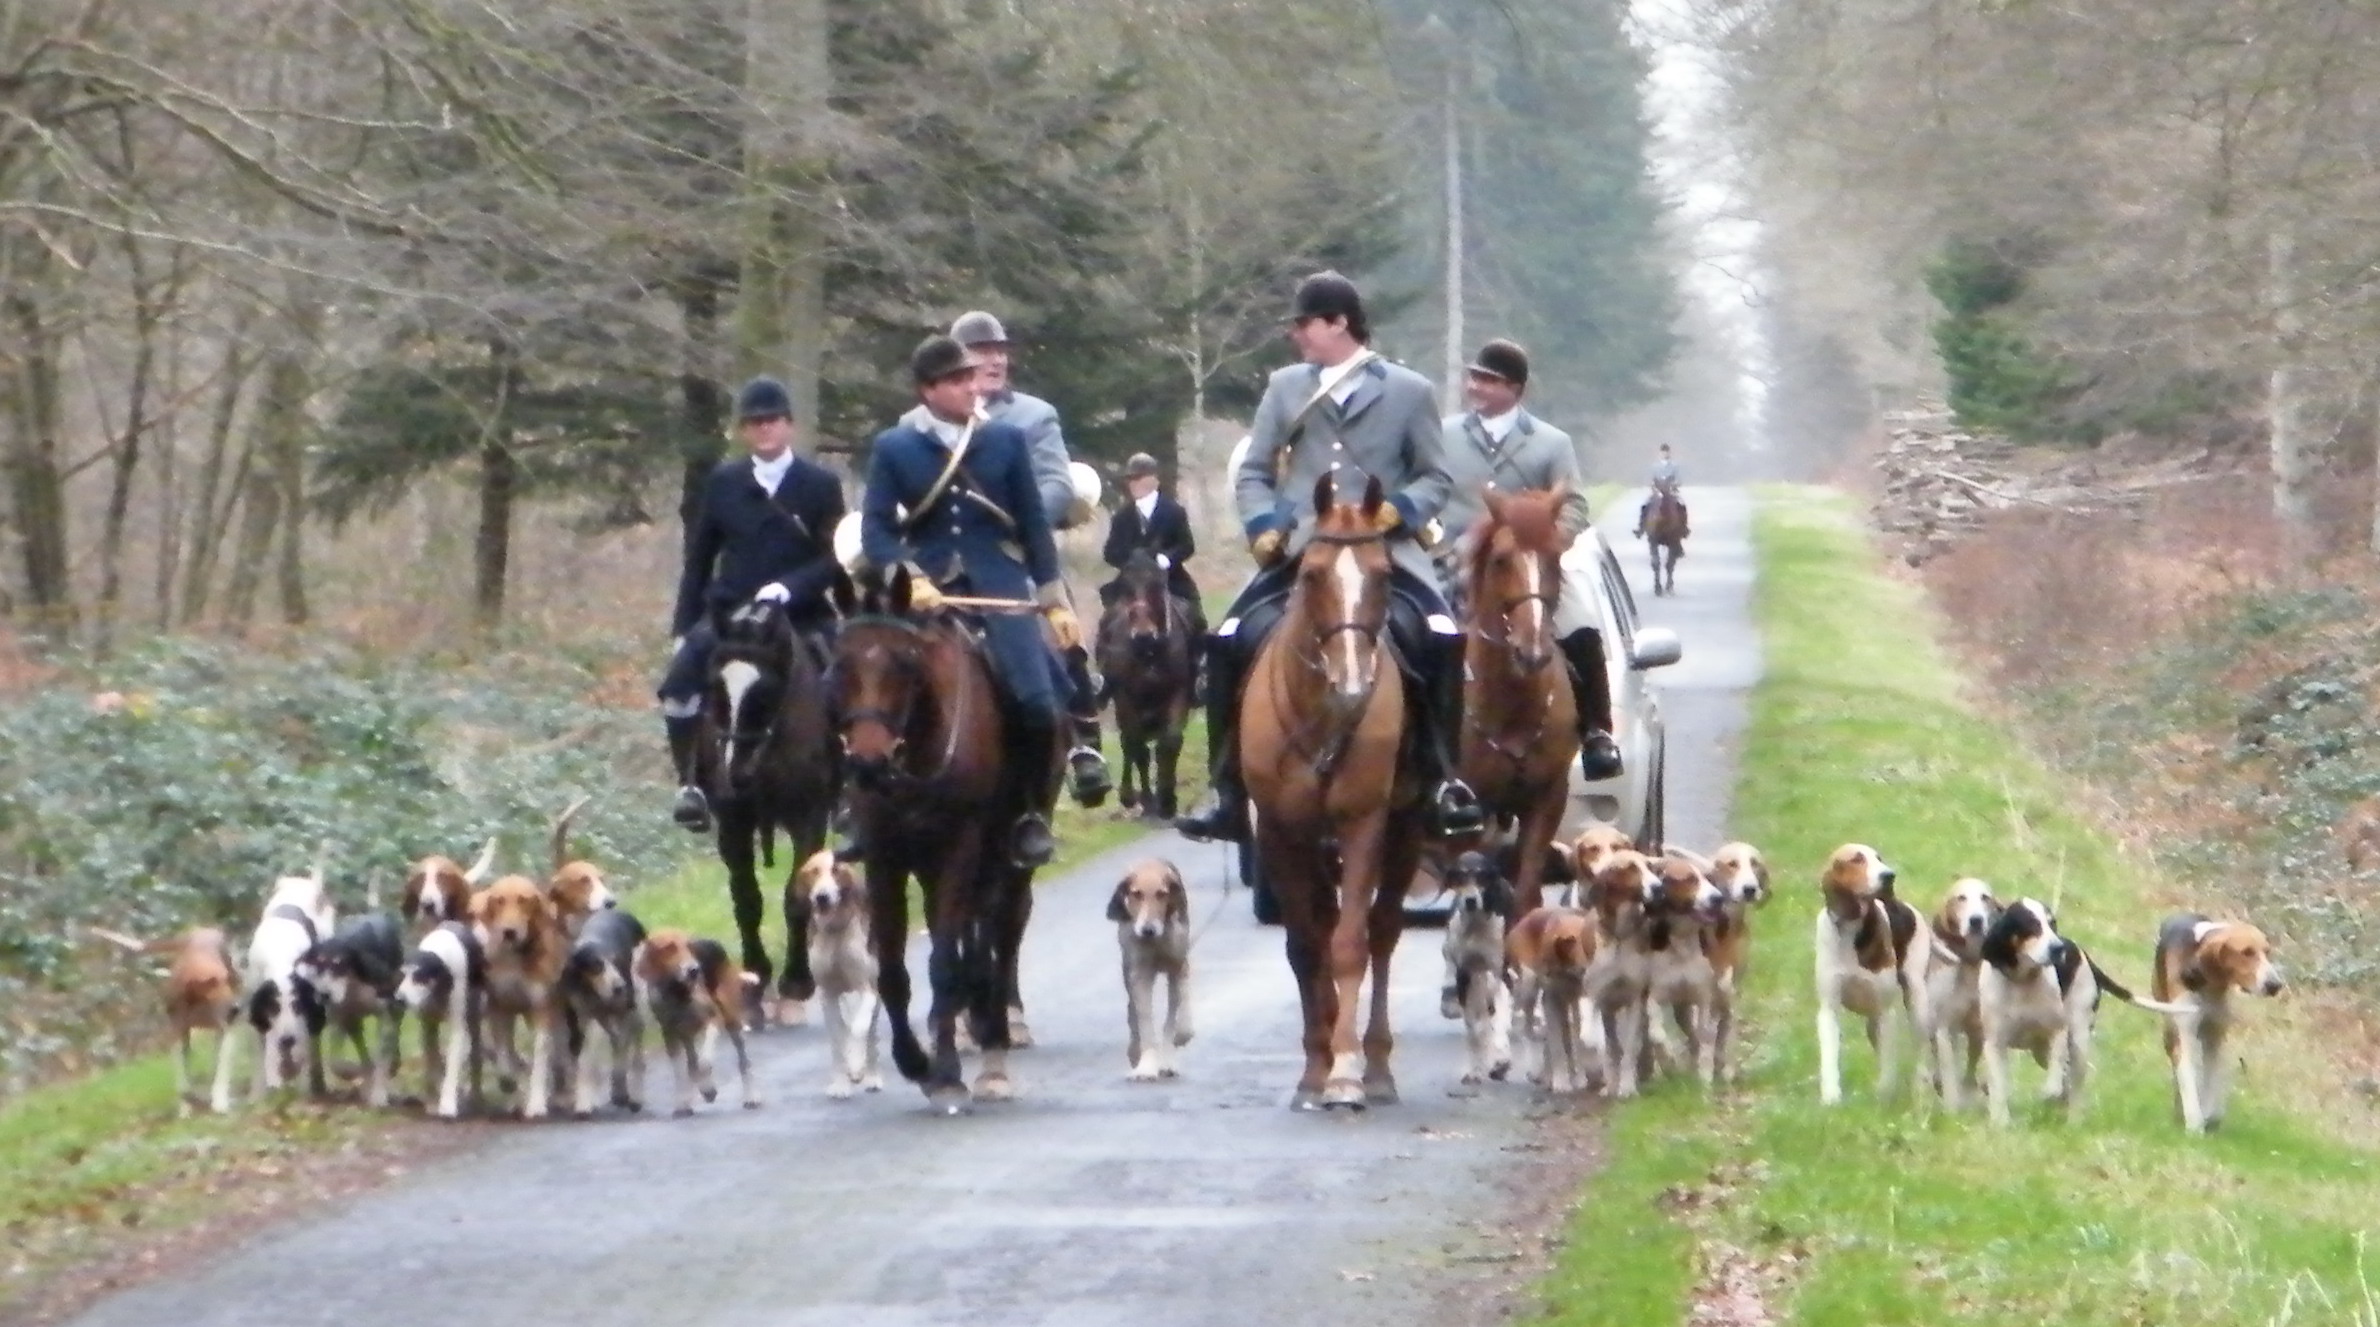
{"x":1311,"y":655}
{"x":909,"y":666}
{"x":1501,"y":638}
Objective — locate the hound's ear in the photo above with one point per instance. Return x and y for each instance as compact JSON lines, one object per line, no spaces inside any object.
{"x":1373,"y":497}
{"x":1560,"y":868}
{"x":1497,"y":896}
{"x":1495,"y":501}
{"x":896,"y":592}
{"x":842,"y":595}
{"x":1999,"y":947}
{"x":1115,"y":902}
{"x":1561,"y":491}
{"x":1177,"y":896}
{"x":1760,"y":877}
{"x":1325,"y":493}
{"x":2193,"y":974}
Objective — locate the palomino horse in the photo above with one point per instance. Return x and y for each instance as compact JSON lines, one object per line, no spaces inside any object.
{"x":936,"y":799}
{"x":767,"y":762}
{"x":1520,"y":718}
{"x":1665,"y":535}
{"x":1338,"y":829}
{"x":1145,"y":655}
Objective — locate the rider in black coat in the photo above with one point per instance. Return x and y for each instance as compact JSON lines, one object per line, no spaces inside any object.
{"x":766,"y":531}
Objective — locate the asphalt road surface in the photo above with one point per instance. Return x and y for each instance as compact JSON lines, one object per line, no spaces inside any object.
{"x":1089,"y":1201}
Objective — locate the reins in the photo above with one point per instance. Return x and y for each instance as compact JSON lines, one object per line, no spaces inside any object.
{"x":913,"y":665}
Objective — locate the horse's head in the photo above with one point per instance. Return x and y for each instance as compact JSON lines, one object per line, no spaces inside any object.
{"x":879,"y":688}
{"x":750,"y":681}
{"x":1145,"y":600}
{"x":1515,"y":577}
{"x":1342,"y":582}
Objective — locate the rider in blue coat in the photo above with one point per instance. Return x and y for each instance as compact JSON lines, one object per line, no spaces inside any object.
{"x":982,"y":532}
{"x":765,"y":531}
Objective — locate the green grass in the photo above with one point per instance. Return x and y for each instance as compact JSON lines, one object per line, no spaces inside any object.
{"x":1898,"y":1212}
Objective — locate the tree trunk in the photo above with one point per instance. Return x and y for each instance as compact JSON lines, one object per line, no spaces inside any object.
{"x":146,"y":312}
{"x":705,"y":404}
{"x":37,"y":482}
{"x":210,"y":510}
{"x":270,"y":497}
{"x":499,"y":488}
{"x":781,"y":294}
{"x":2284,"y":399}
{"x":172,"y":516}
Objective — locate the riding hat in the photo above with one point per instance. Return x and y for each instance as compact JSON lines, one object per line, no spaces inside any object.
{"x":937,"y":357}
{"x":763,"y":398}
{"x":978,"y":328}
{"x":1327,"y":295}
{"x":1502,"y":359}
{"x":1141,"y":466}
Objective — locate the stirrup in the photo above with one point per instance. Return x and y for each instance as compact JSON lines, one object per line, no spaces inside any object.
{"x":1599,"y":756}
{"x":1090,"y":781}
{"x":693,"y":810}
{"x":1456,"y":810}
{"x":1031,"y":845}
{"x":1224,"y":820}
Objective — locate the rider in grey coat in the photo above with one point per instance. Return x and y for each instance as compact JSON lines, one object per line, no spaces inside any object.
{"x":1351,"y":415}
{"x":1498,"y":444}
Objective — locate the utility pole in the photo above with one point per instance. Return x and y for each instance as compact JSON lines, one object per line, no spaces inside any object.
{"x":1454,"y":208}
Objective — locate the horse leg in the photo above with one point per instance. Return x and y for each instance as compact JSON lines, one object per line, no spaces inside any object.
{"x":1360,"y":854}
{"x":1134,"y":788}
{"x":738,"y":828}
{"x":1169,"y":761}
{"x":1538,"y":826}
{"x":991,"y":967}
{"x":1016,"y":915}
{"x":1288,"y":865}
{"x":797,"y":985}
{"x":888,"y":931}
{"x":950,"y":894}
{"x":1401,"y":857}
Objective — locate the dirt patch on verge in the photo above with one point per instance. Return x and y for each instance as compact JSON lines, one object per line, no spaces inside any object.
{"x":1493,"y":1276}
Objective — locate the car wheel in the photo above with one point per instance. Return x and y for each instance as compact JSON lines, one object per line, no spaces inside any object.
{"x":1654,"y":830}
{"x":1260,"y":894}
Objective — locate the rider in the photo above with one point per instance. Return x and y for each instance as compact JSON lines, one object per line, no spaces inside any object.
{"x":1045,"y":440}
{"x":1665,"y":479}
{"x":1498,"y":444}
{"x":1149,"y":519}
{"x":981,"y":531}
{"x":764,"y":532}
{"x":1348,"y":413}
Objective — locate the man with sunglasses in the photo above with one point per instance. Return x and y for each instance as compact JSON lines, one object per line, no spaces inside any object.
{"x":1352,"y":415}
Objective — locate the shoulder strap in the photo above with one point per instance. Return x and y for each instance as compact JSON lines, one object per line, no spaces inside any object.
{"x":950,"y":471}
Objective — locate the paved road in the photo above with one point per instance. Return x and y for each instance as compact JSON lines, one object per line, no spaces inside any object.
{"x":1091,"y":1201}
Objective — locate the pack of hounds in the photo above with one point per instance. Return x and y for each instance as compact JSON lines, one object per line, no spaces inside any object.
{"x":1645,"y":957}
{"x":1637,"y":959}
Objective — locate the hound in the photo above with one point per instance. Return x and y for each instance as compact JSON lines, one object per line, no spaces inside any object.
{"x":694,"y":991}
{"x":1151,"y":910}
{"x":843,"y":959}
{"x":445,"y":985}
{"x":577,"y":888}
{"x":1679,"y":978}
{"x":598,"y":991}
{"x":1554,"y":949}
{"x":524,"y":947}
{"x":1960,"y":924}
{"x":1742,"y":877}
{"x":284,"y":1008}
{"x":1872,"y":962}
{"x":2199,"y":964}
{"x":2039,"y":992}
{"x":1475,"y":990}
{"x":1619,"y":898}
{"x":1594,"y":846}
{"x":437,"y":890}
{"x":356,"y":970}
{"x":201,"y":991}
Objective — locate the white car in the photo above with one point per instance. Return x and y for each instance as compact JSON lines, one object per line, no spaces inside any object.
{"x":1632,"y":799}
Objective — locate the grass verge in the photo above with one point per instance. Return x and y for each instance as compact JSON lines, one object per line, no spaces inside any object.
{"x":1765,"y":1207}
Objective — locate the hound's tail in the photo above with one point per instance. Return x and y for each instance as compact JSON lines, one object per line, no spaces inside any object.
{"x":131,"y":944}
{"x":2118,"y":990}
{"x":562,"y":833}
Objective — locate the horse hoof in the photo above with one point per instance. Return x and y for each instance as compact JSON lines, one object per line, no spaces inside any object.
{"x":1498,"y":1071}
{"x":1343,"y":1094}
{"x":1382,"y":1093}
{"x":1306,"y":1098}
{"x":994,"y":1087}
{"x":1020,"y":1037}
{"x":792,"y":1013}
{"x":950,"y":1100}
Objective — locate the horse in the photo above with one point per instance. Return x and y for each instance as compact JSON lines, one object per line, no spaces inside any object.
{"x":767,"y":765}
{"x":935,"y":793}
{"x":1665,"y":536}
{"x":1338,"y":822}
{"x":1145,"y":654}
{"x":1520,"y":716}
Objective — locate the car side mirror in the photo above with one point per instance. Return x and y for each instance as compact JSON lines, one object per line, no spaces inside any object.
{"x":1656,"y":647}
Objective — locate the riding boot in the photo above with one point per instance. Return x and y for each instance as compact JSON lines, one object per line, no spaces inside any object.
{"x":1226,"y":816}
{"x":1598,"y":752}
{"x":1454,"y":808}
{"x":1086,"y":767}
{"x":1031,"y":844}
{"x":693,"y":810}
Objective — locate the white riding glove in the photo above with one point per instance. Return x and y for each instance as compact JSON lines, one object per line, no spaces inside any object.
{"x":676,"y":643}
{"x":772,"y":593}
{"x":1164,"y":563}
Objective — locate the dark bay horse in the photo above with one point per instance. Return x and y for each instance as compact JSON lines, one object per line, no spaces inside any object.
{"x":1520,"y":717}
{"x":768,"y":764}
{"x":936,"y":794}
{"x":1145,"y":653}
{"x":1665,"y":535}
{"x":1338,"y":822}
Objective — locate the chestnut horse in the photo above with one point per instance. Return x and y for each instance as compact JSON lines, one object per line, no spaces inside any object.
{"x":1520,"y":717}
{"x":1144,"y":652}
{"x":1338,"y":825}
{"x":1665,"y":536}
{"x":936,"y":796}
